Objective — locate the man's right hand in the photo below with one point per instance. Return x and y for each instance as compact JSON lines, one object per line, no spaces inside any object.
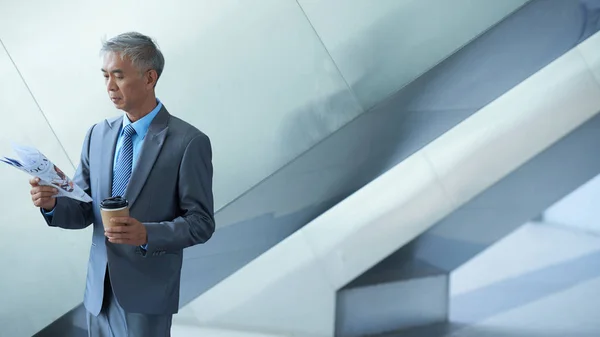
{"x":42,"y":196}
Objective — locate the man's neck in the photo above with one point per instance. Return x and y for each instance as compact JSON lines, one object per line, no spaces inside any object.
{"x":139,"y":113}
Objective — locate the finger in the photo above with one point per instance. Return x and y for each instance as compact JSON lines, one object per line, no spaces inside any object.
{"x":39,"y":189}
{"x":43,"y":199}
{"x":122,"y":237}
{"x":122,"y":220}
{"x":121,"y":241}
{"x":41,"y":202}
{"x":119,"y":229}
{"x":48,"y":189}
{"x":34,"y":181}
{"x":118,"y":236}
{"x":37,"y":201}
{"x":44,"y":195}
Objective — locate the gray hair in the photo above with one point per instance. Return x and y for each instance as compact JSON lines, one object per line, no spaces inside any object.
{"x":140,"y":49}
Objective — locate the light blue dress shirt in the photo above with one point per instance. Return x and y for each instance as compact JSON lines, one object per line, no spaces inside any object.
{"x":141,"y":127}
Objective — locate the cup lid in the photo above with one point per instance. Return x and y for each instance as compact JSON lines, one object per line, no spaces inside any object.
{"x":114,"y":203}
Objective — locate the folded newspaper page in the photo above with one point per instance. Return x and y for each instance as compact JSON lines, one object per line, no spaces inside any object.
{"x":36,"y":164}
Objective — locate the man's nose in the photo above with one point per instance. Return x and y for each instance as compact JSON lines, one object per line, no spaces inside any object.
{"x":110,"y":85}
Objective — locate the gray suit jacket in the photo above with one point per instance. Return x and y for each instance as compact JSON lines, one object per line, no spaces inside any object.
{"x":170,"y":191}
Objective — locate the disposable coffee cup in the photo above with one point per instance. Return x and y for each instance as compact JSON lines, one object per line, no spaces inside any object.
{"x":113,"y":207}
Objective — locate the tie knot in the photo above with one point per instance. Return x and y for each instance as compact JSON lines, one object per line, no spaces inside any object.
{"x":129,"y":130}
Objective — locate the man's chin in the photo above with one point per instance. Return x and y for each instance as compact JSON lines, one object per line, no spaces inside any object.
{"x":118,"y":105}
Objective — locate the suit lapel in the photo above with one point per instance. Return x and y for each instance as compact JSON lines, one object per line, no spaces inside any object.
{"x":151,"y":147}
{"x":110,"y":136}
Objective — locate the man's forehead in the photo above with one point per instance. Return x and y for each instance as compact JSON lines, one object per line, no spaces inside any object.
{"x":112,"y":62}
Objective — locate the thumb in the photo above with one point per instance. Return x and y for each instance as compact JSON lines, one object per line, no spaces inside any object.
{"x":34,"y":181}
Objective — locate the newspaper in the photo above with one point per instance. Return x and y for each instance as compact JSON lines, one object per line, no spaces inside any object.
{"x":36,"y":164}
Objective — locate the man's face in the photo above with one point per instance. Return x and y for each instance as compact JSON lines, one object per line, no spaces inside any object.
{"x":127,"y":85}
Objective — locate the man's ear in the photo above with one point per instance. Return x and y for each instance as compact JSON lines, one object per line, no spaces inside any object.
{"x":151,"y":78}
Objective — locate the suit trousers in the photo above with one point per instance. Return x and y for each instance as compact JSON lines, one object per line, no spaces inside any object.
{"x":113,"y":321}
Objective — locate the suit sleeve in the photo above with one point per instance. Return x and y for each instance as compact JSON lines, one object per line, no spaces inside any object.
{"x":70,"y":213}
{"x":196,"y":224}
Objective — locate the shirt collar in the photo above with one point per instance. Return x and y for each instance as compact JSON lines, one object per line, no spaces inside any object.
{"x":142,"y":125}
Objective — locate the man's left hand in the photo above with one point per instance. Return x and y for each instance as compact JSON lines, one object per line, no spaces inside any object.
{"x":127,"y":231}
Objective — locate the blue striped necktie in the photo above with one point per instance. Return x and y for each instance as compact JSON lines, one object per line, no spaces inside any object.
{"x":124,"y":164}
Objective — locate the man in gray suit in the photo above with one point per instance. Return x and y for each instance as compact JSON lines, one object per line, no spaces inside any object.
{"x":162,"y":166}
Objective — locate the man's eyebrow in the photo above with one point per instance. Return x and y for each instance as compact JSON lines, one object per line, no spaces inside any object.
{"x":116,"y":71}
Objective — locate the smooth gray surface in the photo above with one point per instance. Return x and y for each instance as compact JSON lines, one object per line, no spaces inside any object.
{"x":378,"y":140}
{"x":495,"y":214}
{"x":514,"y":200}
{"x":397,"y":267}
{"x":71,"y":324}
{"x":539,"y":281}
{"x":356,"y":154}
{"x":578,"y":210}
{"x":391,"y":306}
{"x":513,"y":292}
{"x":380,"y":46}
